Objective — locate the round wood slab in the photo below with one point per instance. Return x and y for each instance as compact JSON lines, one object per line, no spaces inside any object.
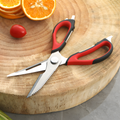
{"x":71,"y":85}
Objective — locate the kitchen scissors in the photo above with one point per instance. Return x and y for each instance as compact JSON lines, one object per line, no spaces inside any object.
{"x":56,"y":59}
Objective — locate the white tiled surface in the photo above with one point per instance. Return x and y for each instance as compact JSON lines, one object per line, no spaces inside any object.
{"x":104,"y":106}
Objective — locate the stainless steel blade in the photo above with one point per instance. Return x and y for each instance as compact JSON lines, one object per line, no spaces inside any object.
{"x":51,"y":67}
{"x":35,"y":68}
{"x":32,"y":69}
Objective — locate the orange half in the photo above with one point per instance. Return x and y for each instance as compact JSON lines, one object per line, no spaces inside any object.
{"x":38,"y":9}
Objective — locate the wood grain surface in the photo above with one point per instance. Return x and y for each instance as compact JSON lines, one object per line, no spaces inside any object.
{"x":69,"y":86}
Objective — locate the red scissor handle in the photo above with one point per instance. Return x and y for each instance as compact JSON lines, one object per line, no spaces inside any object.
{"x":69,"y":23}
{"x":73,"y":59}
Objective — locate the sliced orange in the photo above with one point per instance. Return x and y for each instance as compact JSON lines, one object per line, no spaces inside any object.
{"x":10,"y":10}
{"x":38,"y":9}
{"x":11,"y":16}
{"x":7,"y":4}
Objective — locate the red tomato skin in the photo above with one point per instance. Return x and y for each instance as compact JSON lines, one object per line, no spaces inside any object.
{"x":17,"y":31}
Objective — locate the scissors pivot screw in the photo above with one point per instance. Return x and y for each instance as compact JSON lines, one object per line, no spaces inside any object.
{"x":54,"y":60}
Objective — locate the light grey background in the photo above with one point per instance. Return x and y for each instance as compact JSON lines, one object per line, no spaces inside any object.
{"x":104,"y":106}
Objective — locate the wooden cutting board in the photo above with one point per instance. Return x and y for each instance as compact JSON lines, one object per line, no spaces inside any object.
{"x":69,"y":86}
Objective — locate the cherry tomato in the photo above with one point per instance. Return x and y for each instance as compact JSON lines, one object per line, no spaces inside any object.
{"x":17,"y":31}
